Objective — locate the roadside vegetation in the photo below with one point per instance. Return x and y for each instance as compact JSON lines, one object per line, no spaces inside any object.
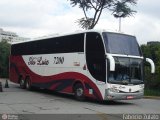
{"x":152,"y":81}
{"x":152,"y":92}
{"x":4,"y":58}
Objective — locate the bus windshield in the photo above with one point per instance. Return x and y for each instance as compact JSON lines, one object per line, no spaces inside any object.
{"x":121,"y":44}
{"x":127,"y":71}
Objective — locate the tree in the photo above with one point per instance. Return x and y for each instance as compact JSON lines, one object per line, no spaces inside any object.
{"x":4,"y":58}
{"x":93,"y":9}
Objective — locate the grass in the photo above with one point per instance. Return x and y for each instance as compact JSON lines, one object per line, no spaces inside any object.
{"x":152,"y":92}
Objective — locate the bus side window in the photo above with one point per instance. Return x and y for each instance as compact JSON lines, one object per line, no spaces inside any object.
{"x":95,"y":56}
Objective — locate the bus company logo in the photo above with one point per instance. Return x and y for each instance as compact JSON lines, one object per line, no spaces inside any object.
{"x":4,"y":116}
{"x":38,"y":61}
{"x":32,"y":61}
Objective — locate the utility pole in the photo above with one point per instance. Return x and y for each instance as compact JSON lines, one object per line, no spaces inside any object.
{"x":120,"y":14}
{"x":119,"y":24}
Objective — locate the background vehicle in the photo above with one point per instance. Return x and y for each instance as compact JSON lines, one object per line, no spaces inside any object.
{"x":97,"y":64}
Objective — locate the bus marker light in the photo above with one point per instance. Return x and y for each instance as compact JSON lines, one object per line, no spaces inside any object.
{"x":84,"y":67}
{"x":76,"y":63}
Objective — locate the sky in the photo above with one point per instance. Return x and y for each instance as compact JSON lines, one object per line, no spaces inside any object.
{"x":35,"y":18}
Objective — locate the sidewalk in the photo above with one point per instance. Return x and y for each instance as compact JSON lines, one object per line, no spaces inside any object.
{"x":10,"y":84}
{"x":152,"y":97}
{"x":3,"y":81}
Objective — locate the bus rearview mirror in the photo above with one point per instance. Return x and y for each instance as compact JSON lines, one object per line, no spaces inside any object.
{"x":152,"y":64}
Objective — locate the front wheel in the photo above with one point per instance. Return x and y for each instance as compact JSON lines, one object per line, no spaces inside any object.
{"x":79,"y":92}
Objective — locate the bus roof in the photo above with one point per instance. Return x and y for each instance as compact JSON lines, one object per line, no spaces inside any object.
{"x":66,"y":34}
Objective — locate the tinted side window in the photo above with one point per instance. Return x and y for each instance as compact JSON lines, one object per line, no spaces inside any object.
{"x":65,"y":44}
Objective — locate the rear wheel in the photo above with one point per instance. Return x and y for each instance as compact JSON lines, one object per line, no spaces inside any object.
{"x":22,"y":83}
{"x":28,"y":83}
{"x":79,"y":92}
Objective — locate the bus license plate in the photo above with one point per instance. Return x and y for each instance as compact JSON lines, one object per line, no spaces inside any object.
{"x":129,"y":97}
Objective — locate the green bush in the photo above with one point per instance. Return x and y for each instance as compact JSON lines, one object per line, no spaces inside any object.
{"x":152,"y":81}
{"x":4,"y":59}
{"x":152,"y":92}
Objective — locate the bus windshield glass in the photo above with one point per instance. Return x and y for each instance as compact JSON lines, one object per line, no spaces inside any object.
{"x":121,"y":44}
{"x":127,"y":71}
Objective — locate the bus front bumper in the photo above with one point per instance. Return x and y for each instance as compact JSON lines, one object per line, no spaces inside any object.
{"x":122,"y":96}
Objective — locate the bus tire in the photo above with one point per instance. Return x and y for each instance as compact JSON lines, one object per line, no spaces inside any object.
{"x":28,"y":83}
{"x":22,"y":83}
{"x":79,"y":92}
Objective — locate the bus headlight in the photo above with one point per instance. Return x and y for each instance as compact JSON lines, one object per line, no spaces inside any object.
{"x":113,"y":90}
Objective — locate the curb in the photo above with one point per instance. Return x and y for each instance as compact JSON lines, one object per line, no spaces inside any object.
{"x":152,"y":97}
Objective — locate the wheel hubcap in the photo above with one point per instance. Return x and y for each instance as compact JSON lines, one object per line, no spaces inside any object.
{"x":22,"y":82}
{"x":79,"y":92}
{"x":27,"y":85}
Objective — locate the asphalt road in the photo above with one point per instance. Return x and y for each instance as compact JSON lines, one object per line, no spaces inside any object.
{"x":27,"y":104}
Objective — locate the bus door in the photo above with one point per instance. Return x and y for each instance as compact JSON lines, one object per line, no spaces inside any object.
{"x":95,"y":57}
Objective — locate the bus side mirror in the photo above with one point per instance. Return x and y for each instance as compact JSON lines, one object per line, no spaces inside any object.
{"x":152,"y":64}
{"x":112,"y":62}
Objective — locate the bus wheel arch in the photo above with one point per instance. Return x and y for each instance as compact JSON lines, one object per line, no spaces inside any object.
{"x":79,"y":90}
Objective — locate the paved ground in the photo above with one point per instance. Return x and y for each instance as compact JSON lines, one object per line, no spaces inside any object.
{"x":14,"y":100}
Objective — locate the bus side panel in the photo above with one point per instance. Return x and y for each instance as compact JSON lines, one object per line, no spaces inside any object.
{"x":16,"y":68}
{"x":62,"y":82}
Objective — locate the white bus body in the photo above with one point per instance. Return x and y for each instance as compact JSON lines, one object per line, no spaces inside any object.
{"x":97,"y":64}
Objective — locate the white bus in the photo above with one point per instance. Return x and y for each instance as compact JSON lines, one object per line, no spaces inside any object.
{"x":97,"y":64}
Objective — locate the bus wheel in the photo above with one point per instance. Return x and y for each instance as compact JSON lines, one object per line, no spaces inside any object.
{"x":22,"y":83}
{"x":28,"y":83}
{"x":79,"y":92}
